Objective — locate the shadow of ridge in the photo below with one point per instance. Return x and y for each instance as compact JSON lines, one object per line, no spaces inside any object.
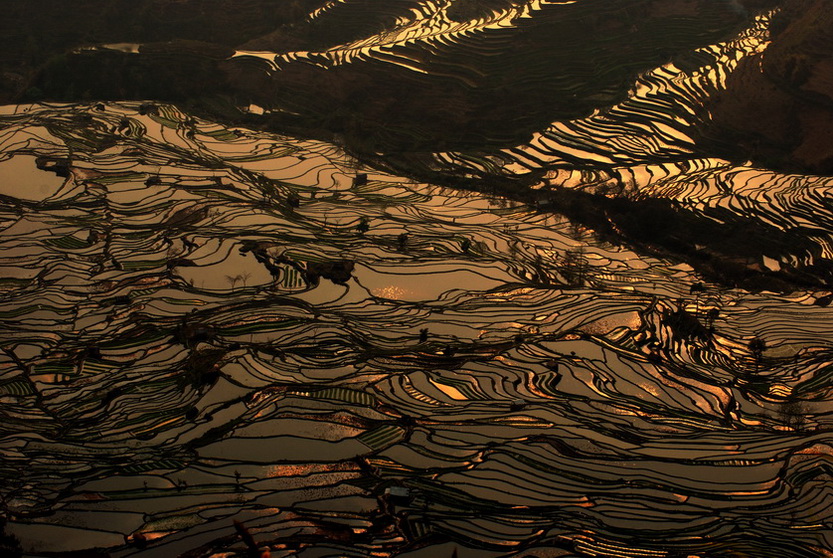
{"x":722,"y":246}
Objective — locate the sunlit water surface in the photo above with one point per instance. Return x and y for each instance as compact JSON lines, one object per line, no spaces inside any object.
{"x":203,"y":325}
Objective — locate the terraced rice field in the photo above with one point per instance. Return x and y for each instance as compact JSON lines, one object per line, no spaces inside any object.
{"x":172,"y":361}
{"x":214,"y":339}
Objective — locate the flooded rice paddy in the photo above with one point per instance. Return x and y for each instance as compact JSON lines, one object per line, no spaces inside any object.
{"x":203,"y":325}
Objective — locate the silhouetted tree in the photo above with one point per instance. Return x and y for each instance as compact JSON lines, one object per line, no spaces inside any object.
{"x":574,"y":267}
{"x":711,"y":316}
{"x":757,"y":347}
{"x":9,"y":545}
{"x":697,"y":289}
{"x":794,"y":414}
{"x":232,"y":280}
{"x":402,"y":241}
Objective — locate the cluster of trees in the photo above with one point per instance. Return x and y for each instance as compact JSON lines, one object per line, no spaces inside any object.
{"x":9,"y":544}
{"x":573,"y":267}
{"x":243,"y":278}
{"x":792,"y":412}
